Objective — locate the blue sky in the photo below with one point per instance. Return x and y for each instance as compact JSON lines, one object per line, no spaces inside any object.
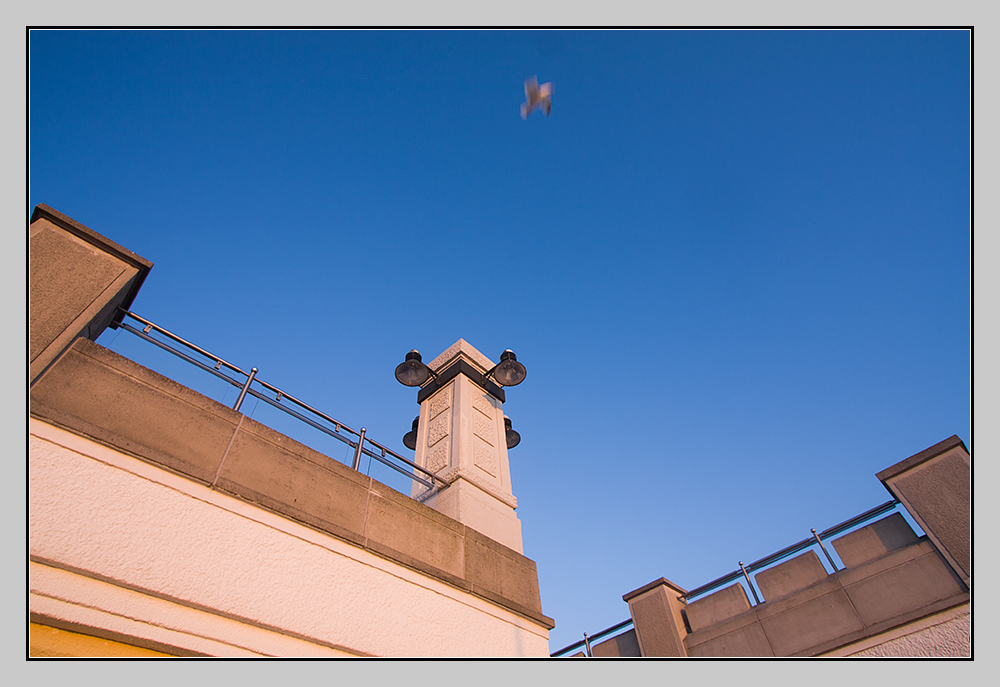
{"x":736,"y":264}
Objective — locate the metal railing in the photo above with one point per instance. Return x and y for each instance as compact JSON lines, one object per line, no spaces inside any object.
{"x":279,"y":399}
{"x":744,"y":571}
{"x":587,"y":639}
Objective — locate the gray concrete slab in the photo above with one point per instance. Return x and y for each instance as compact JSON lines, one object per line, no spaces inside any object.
{"x":289,"y":478}
{"x":716,"y":607}
{"x":414,"y":530}
{"x":904,"y":588}
{"x":816,"y":621}
{"x":623,"y":645}
{"x":102,"y":395}
{"x":489,"y":563}
{"x":746,"y":641}
{"x":792,"y":575}
{"x":877,"y":539}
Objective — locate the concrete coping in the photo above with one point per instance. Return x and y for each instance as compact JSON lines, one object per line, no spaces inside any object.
{"x":43,"y":211}
{"x":103,"y":243}
{"x":653,"y":585}
{"x":922,"y":457}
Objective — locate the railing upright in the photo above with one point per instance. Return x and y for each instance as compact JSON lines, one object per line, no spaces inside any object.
{"x":430,"y":480}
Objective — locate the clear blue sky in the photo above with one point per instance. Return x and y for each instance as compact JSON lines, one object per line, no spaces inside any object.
{"x":735,"y":264}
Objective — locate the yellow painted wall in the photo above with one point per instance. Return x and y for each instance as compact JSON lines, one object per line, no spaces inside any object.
{"x":46,"y":641}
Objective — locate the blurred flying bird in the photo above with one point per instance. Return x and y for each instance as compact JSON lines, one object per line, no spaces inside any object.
{"x":538,"y":96}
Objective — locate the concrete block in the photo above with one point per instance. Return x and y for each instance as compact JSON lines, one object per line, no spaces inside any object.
{"x":268,"y":468}
{"x":922,"y":547}
{"x":904,"y":588}
{"x":716,"y":607}
{"x":77,"y":279}
{"x":623,"y":645}
{"x":492,"y":568}
{"x":745,"y":641}
{"x":816,"y":622}
{"x":790,"y":576}
{"x":877,"y":539}
{"x":657,"y":618}
{"x":100,"y":394}
{"x":67,"y":275}
{"x":412,"y":533}
{"x":935,"y":486}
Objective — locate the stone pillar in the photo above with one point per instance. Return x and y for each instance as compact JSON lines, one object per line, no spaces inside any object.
{"x":461,"y":439}
{"x":656,"y":616}
{"x":77,"y":280}
{"x":935,"y":486}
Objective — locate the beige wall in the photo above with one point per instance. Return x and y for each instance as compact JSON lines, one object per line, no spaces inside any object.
{"x":138,"y":552}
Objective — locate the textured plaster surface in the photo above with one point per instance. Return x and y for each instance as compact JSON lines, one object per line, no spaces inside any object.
{"x":104,"y":515}
{"x":952,"y":638}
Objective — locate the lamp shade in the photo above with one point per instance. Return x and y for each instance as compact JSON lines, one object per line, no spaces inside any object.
{"x":410,"y":438}
{"x":412,"y":372}
{"x":513,"y":438}
{"x":508,"y":371}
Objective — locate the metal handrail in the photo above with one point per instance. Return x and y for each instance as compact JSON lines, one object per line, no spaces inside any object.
{"x":380,"y":451}
{"x":745,"y":570}
{"x":587,"y":639}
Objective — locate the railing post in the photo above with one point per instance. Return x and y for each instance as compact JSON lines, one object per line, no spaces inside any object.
{"x":243,"y":391}
{"x":828,"y":557}
{"x":357,"y":451}
{"x":750,"y":582}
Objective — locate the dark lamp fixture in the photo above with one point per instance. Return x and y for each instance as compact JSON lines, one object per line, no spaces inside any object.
{"x":508,"y":372}
{"x":410,"y":438}
{"x":513,"y":438}
{"x":412,"y":372}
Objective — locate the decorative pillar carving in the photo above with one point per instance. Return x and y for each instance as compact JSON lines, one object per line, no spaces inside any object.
{"x":461,"y":439}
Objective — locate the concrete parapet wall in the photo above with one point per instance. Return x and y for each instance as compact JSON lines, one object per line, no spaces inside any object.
{"x":98,"y":394}
{"x":808,"y":612}
{"x":716,"y":607}
{"x":624,"y":645}
{"x":792,"y":575}
{"x":877,"y":539}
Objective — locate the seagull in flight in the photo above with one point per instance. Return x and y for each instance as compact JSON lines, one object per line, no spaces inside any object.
{"x":538,"y":96}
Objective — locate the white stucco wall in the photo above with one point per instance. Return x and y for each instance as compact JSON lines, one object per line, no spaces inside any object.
{"x":124,"y":546}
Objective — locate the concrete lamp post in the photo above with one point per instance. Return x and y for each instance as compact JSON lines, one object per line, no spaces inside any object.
{"x":462,"y":436}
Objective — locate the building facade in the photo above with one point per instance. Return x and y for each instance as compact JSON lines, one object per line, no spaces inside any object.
{"x":164,"y":523}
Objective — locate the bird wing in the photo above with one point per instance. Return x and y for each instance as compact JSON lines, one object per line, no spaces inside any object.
{"x":531,"y":88}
